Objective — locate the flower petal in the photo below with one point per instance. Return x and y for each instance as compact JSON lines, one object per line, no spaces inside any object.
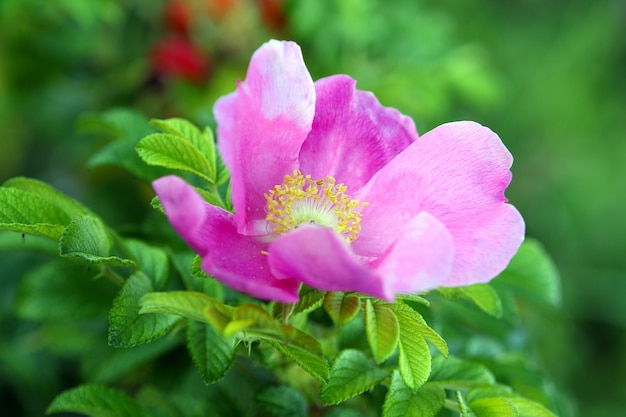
{"x":458,"y":173}
{"x":320,"y":258}
{"x":420,"y":259}
{"x":261,"y":127}
{"x":233,"y":259}
{"x":353,"y":136}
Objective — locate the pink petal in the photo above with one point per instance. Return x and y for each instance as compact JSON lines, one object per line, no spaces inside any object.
{"x":353,"y":136}
{"x":420,"y":259}
{"x":233,"y":259}
{"x":320,"y":258}
{"x":458,"y":173}
{"x":261,"y":127}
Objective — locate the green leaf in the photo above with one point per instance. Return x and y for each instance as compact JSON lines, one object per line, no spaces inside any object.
{"x":183,"y":303}
{"x":532,"y":273}
{"x":21,"y":211}
{"x":341,"y":307}
{"x":283,"y":401}
{"x":485,"y":298}
{"x":482,"y":295}
{"x":175,"y":152}
{"x":180,"y":127}
{"x":304,"y":350}
{"x":256,"y":322}
{"x":489,"y":391}
{"x":127,"y":327}
{"x":454,"y":373}
{"x":62,"y":291}
{"x":151,"y":260}
{"x":352,"y":373}
{"x":96,"y":401}
{"x":64,"y":203}
{"x":87,"y":238}
{"x":382,"y":330}
{"x":414,"y":359}
{"x":212,"y":354}
{"x":494,"y":407}
{"x":126,"y":128}
{"x":402,"y":401}
{"x":527,"y":408}
{"x":309,"y":299}
{"x":196,"y":268}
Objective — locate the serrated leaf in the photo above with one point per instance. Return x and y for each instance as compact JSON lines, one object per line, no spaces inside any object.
{"x":66,"y":204}
{"x":382,"y":330}
{"x":204,"y":140}
{"x":414,"y":298}
{"x":494,"y":407}
{"x":96,"y":401}
{"x":422,"y":327}
{"x":485,"y":298}
{"x":283,"y":401}
{"x":151,"y":260}
{"x":352,"y":373}
{"x":212,"y":354}
{"x":127,"y":327}
{"x":62,"y":291}
{"x":196,"y":268}
{"x":175,"y":152}
{"x":87,"y":238}
{"x":402,"y":401}
{"x":21,"y":211}
{"x":528,"y":408}
{"x":187,"y":304}
{"x":414,"y":356}
{"x":304,"y":350}
{"x":341,"y":307}
{"x":309,"y":299}
{"x":454,"y":373}
{"x":532,"y":273}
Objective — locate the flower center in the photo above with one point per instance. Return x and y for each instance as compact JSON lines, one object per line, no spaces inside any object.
{"x":299,"y":199}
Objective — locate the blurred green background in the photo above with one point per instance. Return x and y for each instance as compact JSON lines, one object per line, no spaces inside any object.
{"x":548,"y":77}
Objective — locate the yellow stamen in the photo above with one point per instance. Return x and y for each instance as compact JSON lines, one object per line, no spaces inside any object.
{"x":302,"y":200}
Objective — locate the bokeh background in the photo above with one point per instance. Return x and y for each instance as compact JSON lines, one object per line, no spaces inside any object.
{"x":548,"y":77}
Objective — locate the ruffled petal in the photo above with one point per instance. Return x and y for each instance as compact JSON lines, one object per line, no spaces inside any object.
{"x":261,"y":127}
{"x":420,"y":259}
{"x":233,"y":259}
{"x":458,"y":173}
{"x":320,"y":258}
{"x":353,"y":136}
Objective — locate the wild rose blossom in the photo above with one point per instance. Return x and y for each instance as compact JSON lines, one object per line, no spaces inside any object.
{"x":332,"y":190}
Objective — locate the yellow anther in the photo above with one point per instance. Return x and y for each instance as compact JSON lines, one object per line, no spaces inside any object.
{"x":299,"y":199}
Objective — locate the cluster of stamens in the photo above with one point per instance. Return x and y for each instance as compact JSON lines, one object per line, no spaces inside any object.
{"x":299,"y":200}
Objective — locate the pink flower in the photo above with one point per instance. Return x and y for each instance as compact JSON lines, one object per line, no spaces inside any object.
{"x":332,"y":190}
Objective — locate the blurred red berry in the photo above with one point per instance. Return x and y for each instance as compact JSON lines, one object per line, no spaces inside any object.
{"x":273,"y":14}
{"x":176,"y":56}
{"x":178,"y":15}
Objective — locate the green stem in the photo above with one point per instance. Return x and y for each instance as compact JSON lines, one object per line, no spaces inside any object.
{"x":287,"y":310}
{"x":452,"y":405}
{"x":113,"y":276}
